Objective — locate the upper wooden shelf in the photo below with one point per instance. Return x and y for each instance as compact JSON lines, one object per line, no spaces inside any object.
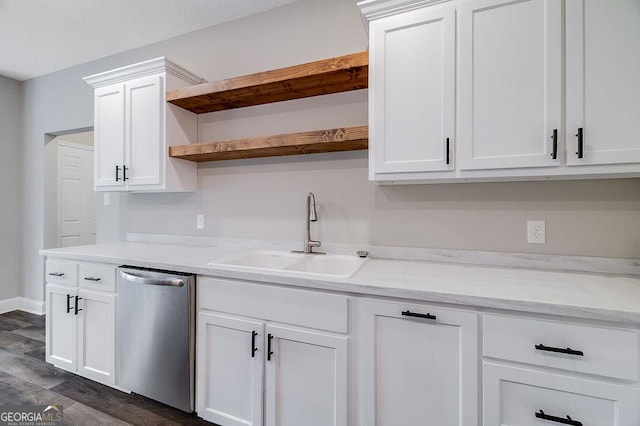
{"x":333,"y":75}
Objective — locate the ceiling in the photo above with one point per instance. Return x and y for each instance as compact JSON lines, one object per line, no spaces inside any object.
{"x":41,"y":36}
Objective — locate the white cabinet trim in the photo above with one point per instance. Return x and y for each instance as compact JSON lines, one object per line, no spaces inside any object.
{"x":142,"y":69}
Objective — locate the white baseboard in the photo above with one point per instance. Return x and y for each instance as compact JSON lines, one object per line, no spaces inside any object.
{"x":32,"y":306}
{"x":23,"y":304}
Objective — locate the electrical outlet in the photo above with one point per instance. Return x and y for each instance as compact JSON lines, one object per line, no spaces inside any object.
{"x":536,"y":232}
{"x":200,"y":221}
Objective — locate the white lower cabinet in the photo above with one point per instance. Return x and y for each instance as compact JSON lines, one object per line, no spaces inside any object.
{"x":547,"y":371}
{"x":61,"y":327}
{"x":81,"y":332}
{"x":306,"y":378}
{"x":254,"y":371}
{"x":517,"y":396}
{"x":230,"y":370}
{"x":81,"y":323}
{"x":418,"y":365}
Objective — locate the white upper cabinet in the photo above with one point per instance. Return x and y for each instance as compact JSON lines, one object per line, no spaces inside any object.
{"x":134,"y":127}
{"x":412,"y":74}
{"x":485,"y":90}
{"x":108,"y":135}
{"x":603,"y":81}
{"x":510,"y":75}
{"x":143,"y":124}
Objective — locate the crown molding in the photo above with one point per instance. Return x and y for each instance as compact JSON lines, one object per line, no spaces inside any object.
{"x":141,"y":69}
{"x":376,"y":9}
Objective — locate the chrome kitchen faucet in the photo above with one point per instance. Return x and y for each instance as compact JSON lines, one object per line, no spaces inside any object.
{"x":312,"y":216}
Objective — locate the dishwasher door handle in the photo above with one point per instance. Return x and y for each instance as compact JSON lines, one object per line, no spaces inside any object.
{"x":173,"y":282}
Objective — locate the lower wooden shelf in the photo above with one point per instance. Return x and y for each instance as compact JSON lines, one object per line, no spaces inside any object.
{"x":317,"y":141}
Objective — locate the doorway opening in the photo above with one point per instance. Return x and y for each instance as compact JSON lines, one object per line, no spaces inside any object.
{"x":70,"y":202}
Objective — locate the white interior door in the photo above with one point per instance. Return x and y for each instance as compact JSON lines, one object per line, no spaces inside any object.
{"x":76,"y":199}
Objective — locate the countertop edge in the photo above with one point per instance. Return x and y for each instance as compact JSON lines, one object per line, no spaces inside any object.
{"x":363,"y":288}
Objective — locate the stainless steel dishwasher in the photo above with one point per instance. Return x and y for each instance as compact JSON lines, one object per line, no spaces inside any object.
{"x":156,"y":335}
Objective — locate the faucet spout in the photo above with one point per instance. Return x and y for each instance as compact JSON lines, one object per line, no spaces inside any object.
{"x":312,"y":214}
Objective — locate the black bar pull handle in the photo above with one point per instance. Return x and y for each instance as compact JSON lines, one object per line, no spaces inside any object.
{"x":580,"y":136}
{"x":447,"y":154}
{"x":269,"y":351}
{"x":567,"y":351}
{"x":76,"y":308}
{"x":92,"y":279}
{"x":117,"y":173}
{"x":124,"y":173}
{"x":69,"y":297}
{"x":56,"y":274}
{"x":554,"y":137}
{"x":565,"y":421}
{"x":253,"y":343}
{"x":417,"y":315}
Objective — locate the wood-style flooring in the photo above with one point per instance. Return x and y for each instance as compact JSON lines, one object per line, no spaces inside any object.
{"x":25,"y":378}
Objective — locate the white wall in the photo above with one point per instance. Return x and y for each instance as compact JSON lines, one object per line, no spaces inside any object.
{"x":10,"y":188}
{"x":264,"y":198}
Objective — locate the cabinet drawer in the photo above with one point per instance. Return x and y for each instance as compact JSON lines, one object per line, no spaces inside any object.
{"x":62,"y":272}
{"x":291,"y":306}
{"x":97,"y":277}
{"x":521,"y":396}
{"x":594,"y":350}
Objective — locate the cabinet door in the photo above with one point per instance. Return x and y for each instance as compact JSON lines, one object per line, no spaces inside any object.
{"x":603,"y":88}
{"x":306,"y":378}
{"x":418,"y":365}
{"x":510,"y":83}
{"x":96,"y":336}
{"x":522,"y":397}
{"x":145,"y":145}
{"x":109,"y":137}
{"x":61,"y":327}
{"x":412,"y":98}
{"x":230,"y":362}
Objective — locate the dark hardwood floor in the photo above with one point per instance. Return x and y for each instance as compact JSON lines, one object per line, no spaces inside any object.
{"x":25,"y":378}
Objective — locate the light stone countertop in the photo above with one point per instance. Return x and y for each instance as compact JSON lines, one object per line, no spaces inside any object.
{"x":576,"y":294}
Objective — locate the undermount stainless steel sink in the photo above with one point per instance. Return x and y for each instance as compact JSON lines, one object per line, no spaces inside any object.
{"x":327,"y":265}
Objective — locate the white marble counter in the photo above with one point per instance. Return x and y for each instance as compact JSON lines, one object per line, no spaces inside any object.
{"x":577,"y":294}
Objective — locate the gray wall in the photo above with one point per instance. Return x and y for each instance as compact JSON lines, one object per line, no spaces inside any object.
{"x":10,"y":188}
{"x":264,"y":198}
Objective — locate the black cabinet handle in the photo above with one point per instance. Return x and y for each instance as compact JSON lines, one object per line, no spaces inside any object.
{"x":416,"y":315}
{"x":117,"y":175}
{"x":69,"y":297}
{"x":253,"y":344}
{"x":269,"y":351}
{"x":565,"y":421}
{"x":580,"y":137}
{"x":56,"y":274}
{"x":124,"y":173}
{"x":447,"y":152}
{"x":554,"y":154}
{"x":92,"y":279}
{"x":76,"y":308}
{"x":567,"y":351}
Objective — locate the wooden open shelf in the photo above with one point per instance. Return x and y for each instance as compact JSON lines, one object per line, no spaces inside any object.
{"x":342,"y":139}
{"x":333,"y":75}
